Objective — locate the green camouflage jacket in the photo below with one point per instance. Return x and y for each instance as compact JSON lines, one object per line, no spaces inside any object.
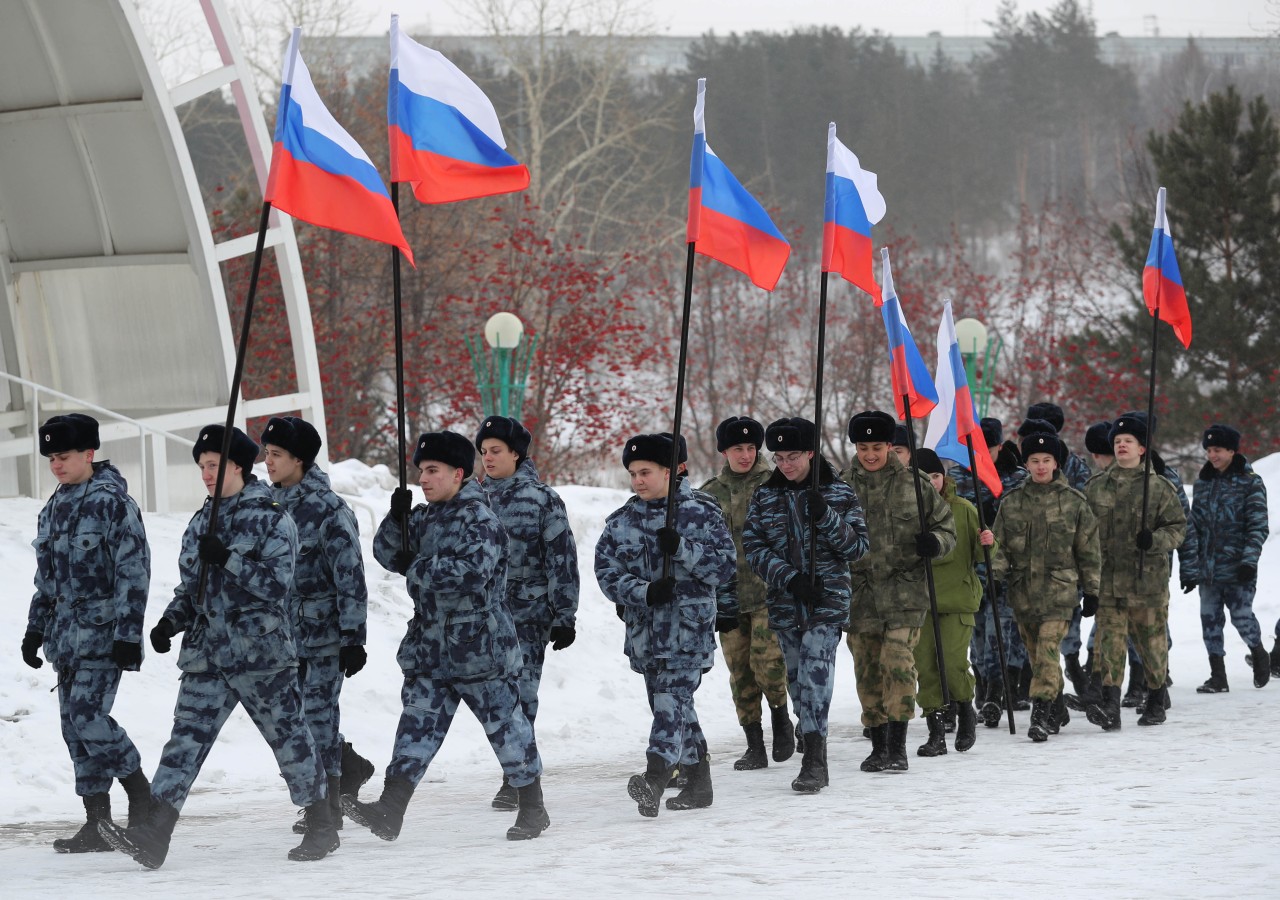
{"x":1115,"y":495}
{"x":733,"y":492}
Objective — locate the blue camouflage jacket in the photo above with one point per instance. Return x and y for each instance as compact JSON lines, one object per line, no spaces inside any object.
{"x":542,"y":559}
{"x":680,"y":634}
{"x":461,"y":629}
{"x":328,"y":601}
{"x":93,"y":571}
{"x":242,"y":622}
{"x":776,"y":540}
{"x":1189,"y":549}
{"x":1008,"y":467}
{"x":1230,"y":515}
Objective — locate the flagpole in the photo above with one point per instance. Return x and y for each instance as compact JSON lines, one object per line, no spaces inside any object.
{"x":675,"y":427}
{"x":233,"y":400}
{"x":401,"y":449}
{"x":814,"y":473}
{"x":1151,"y":410}
{"x":988,"y":586}
{"x":928,"y":563}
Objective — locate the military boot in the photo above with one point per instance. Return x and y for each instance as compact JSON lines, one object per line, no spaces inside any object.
{"x":1076,"y":674}
{"x":993,"y":702}
{"x":384,"y":816}
{"x":356,"y":771}
{"x":532,"y":819}
{"x":1216,"y":683}
{"x":697,"y":793}
{"x":321,"y":838}
{"x":1275,"y":658}
{"x":138,"y":790}
{"x":97,"y":807}
{"x":148,"y":844}
{"x":879,"y":756}
{"x":785,"y":743}
{"x":1154,"y":711}
{"x":1058,"y":714}
{"x":1038,"y":730}
{"x":1136,"y":694}
{"x":966,"y":725}
{"x":755,"y":757}
{"x":335,"y":808}
{"x":936,"y":745}
{"x":507,"y":797}
{"x":1261,"y":666}
{"x":1101,"y":711}
{"x":647,"y":789}
{"x":813,"y":766}
{"x":1020,"y":681}
{"x":897,"y":747}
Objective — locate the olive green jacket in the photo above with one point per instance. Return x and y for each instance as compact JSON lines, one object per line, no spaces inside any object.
{"x":1115,"y":496}
{"x":955,"y":576}
{"x":733,"y":492}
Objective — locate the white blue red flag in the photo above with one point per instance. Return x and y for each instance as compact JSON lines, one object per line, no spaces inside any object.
{"x":318,"y":172}
{"x":911,"y":380}
{"x":725,"y":222}
{"x":955,"y":419}
{"x":1161,"y":280}
{"x":853,"y":204}
{"x":442,"y":130}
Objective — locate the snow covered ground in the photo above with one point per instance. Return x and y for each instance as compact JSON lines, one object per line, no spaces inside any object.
{"x":1180,"y":810}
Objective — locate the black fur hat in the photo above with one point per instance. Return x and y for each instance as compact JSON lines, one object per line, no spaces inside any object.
{"x":1223,"y":436}
{"x":1035,"y":426}
{"x":928,"y":461}
{"x":1050,"y":412}
{"x":447,"y":447}
{"x":872,"y":426}
{"x":900,"y":436}
{"x":1129,"y":423}
{"x":992,"y":431}
{"x":293,"y":435}
{"x":684,"y":448}
{"x":1044,"y":442}
{"x":738,"y":430}
{"x":243,"y":450}
{"x":73,"y":431}
{"x":786,"y":435}
{"x":1097,"y":439}
{"x":507,"y":430}
{"x":655,"y":448}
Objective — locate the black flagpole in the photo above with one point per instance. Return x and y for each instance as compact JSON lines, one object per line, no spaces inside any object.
{"x":401,"y":450}
{"x":814,"y":472}
{"x":1151,"y":415}
{"x":928,"y":563}
{"x":675,"y":427}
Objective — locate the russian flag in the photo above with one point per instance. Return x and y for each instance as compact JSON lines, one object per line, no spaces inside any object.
{"x":954,"y":418}
{"x":853,"y":204}
{"x":443,"y":132}
{"x":318,"y":172}
{"x":910,"y":377}
{"x":725,"y":222}
{"x":1161,"y":280}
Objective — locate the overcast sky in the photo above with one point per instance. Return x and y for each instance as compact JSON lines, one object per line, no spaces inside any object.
{"x":1174,"y":18}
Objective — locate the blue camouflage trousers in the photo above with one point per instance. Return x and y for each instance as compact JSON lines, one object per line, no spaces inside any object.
{"x":676,"y":734}
{"x":1216,"y":600}
{"x":274,"y":704}
{"x":533,"y":651}
{"x":982,"y":646}
{"x":429,"y":707}
{"x":811,"y":672}
{"x":100,"y":749}
{"x":320,"y":690}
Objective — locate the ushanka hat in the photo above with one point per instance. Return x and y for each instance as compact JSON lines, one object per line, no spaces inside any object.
{"x":446,"y":447}
{"x":654,"y":448}
{"x":243,"y":450}
{"x":1097,"y":439}
{"x":992,"y":431}
{"x":790,"y":434}
{"x":901,"y":437}
{"x":871,"y":427}
{"x":1221,"y":436}
{"x":1050,"y":412}
{"x":507,"y":430}
{"x":1044,"y":442}
{"x":293,"y":435}
{"x":927,"y":461}
{"x":72,"y":431}
{"x":738,"y":430}
{"x":1134,"y":423}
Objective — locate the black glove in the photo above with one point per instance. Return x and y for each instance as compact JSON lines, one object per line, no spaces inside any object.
{"x":1189,"y":585}
{"x":212,"y":550}
{"x":563,"y":635}
{"x":401,"y":503}
{"x":660,"y":592}
{"x":31,"y":642}
{"x":162,"y":636}
{"x":126,"y":654}
{"x":302,"y":670}
{"x":817,"y":504}
{"x":1247,"y":572}
{"x":1145,"y":539}
{"x":927,"y":545}
{"x":401,"y":560}
{"x":1089,"y":608}
{"x":726,"y":623}
{"x":352,"y":659}
{"x":668,"y":541}
{"x":800,"y":588}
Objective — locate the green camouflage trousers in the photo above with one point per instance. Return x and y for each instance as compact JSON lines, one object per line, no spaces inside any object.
{"x":756,"y":667}
{"x":956,"y":630}
{"x":1043,"y":641}
{"x":884,"y":665}
{"x":1147,"y":627}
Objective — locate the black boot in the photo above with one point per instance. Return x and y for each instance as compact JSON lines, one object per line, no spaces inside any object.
{"x":897,"y":747}
{"x":697,"y":793}
{"x":1261,"y":666}
{"x":1020,"y":679}
{"x":1136,"y":694}
{"x":97,"y":807}
{"x":335,"y":808}
{"x":1058,"y":714}
{"x":755,"y":757}
{"x":647,"y":789}
{"x":1076,"y":674}
{"x":1153,"y":713}
{"x":966,"y":725}
{"x":936,"y":745}
{"x":1038,"y":730}
{"x":321,"y":838}
{"x":799,"y":740}
{"x":949,"y":718}
{"x":993,"y":702}
{"x":148,"y":844}
{"x":507,"y":797}
{"x":384,"y":816}
{"x":1112,"y":697}
{"x":785,"y":742}
{"x":356,"y":771}
{"x":1216,"y":683}
{"x":879,"y":756}
{"x":813,"y":767}
{"x":532,"y":819}
{"x":1275,"y":658}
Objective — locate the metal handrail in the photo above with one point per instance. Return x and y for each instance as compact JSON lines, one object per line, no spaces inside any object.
{"x":144,"y":429}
